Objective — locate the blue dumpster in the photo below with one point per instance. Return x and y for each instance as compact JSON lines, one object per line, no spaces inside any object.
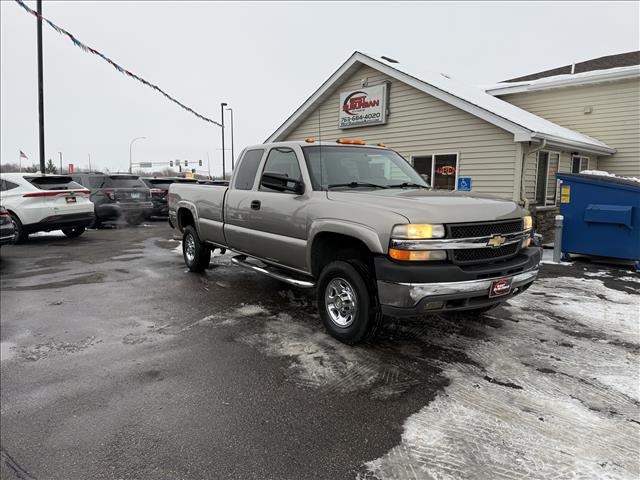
{"x":601,"y":216}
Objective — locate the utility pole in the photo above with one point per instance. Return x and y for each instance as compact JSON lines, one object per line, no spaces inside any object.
{"x":222,"y":105}
{"x":89,"y":162}
{"x":209,"y":165}
{"x":232,"y":155}
{"x":131,"y":145}
{"x":60,"y":153}
{"x":40,"y":87}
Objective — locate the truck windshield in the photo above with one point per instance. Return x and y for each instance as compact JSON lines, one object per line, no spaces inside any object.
{"x":359,"y":167}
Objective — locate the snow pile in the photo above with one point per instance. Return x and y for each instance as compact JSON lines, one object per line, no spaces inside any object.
{"x":602,"y":173}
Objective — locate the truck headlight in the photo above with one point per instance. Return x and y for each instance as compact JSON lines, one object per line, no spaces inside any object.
{"x":417,"y":255}
{"x":418,"y":231}
{"x":527,"y":222}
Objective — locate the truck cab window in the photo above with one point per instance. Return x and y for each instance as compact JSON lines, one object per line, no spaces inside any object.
{"x":247,"y":169}
{"x":282,"y":161}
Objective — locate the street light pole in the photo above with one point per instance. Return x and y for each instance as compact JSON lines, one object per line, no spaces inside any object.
{"x":60,"y":153}
{"x":209,"y":165}
{"x":222,"y":105}
{"x":131,"y":145}
{"x":232,"y":155}
{"x":40,"y":86}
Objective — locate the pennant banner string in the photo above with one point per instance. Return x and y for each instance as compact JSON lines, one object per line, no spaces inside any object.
{"x":120,"y":69}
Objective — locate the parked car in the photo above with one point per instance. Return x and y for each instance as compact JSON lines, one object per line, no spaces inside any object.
{"x":362,"y":226}
{"x":7,"y":230}
{"x":159,"y":187}
{"x":39,"y":202}
{"x":117,"y":196}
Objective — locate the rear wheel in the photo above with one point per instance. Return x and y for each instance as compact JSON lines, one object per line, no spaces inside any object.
{"x":196,"y":254}
{"x":20,"y":236}
{"x":134,"y":219}
{"x":347,"y":304}
{"x":73,"y":232}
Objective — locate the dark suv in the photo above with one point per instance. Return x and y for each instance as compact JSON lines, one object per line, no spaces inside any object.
{"x":117,"y":196}
{"x":159,"y":189}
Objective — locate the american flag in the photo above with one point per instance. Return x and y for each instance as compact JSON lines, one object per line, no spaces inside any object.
{"x":23,"y":155}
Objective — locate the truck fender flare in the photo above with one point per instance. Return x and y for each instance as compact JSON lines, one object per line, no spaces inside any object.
{"x":364,"y":233}
{"x":194,"y":212}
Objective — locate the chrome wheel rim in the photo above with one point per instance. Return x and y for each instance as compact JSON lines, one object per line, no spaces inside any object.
{"x":190,"y":248}
{"x":341,"y":302}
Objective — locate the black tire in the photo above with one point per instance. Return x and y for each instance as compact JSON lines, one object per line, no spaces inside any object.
{"x":73,"y":232}
{"x":344,"y":322}
{"x":96,"y":223}
{"x":133,"y":220}
{"x":196,"y":255}
{"x":20,"y":235}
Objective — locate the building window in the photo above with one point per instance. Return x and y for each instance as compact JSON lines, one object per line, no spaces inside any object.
{"x":439,"y":170}
{"x":546,"y":183}
{"x":579,"y":163}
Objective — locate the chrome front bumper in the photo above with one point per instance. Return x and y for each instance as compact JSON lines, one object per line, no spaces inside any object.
{"x":419,"y":298}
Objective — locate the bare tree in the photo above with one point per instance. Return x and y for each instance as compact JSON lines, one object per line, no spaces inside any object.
{"x":9,"y":167}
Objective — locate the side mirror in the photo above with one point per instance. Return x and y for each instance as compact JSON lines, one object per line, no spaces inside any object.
{"x":281,"y":183}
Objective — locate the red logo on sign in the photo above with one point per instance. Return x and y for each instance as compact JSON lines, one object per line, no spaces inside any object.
{"x":70,"y":168}
{"x":359,"y":102}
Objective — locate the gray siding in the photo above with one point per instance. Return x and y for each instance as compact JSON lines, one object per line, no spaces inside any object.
{"x":420,"y":124}
{"x":615,"y":117}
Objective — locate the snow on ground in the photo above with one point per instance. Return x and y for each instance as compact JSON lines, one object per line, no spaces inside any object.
{"x":546,"y":387}
{"x":552,"y":394}
{"x":53,"y":233}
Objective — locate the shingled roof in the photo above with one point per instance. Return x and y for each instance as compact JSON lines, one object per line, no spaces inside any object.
{"x":601,"y":63}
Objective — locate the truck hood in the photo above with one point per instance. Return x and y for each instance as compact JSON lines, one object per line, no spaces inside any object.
{"x":426,"y":206}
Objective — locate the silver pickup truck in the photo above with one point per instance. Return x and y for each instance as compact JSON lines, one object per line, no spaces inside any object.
{"x":360,"y":225}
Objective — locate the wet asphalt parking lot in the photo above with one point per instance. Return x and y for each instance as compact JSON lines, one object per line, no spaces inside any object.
{"x":118,"y":363}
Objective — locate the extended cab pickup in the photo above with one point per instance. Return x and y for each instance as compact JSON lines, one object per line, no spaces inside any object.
{"x":361,"y":226}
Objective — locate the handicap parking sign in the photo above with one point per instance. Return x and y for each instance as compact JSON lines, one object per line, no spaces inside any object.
{"x":464,"y":184}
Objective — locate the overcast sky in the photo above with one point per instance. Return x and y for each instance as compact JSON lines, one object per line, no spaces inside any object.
{"x":264,"y":59}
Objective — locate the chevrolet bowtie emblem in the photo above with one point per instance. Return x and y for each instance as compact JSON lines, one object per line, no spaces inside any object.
{"x":496,"y":241}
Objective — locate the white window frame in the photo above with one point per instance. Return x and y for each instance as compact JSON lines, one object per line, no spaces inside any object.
{"x":546,"y":177}
{"x":581,"y":157}
{"x":433,"y":166}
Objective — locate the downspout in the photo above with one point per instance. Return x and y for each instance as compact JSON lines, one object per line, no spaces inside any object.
{"x":523,"y":197}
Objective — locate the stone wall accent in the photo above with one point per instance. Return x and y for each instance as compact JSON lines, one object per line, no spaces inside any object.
{"x":544,"y":222}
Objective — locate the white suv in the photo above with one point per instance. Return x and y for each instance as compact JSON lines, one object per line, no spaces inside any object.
{"x":38,"y":202}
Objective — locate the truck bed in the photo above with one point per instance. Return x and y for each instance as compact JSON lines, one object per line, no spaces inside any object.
{"x":206,"y":204}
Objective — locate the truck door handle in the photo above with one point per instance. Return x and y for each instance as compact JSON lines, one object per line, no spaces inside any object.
{"x":255,"y":205}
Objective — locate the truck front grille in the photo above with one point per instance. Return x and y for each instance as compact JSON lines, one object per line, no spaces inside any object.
{"x":485,"y":229}
{"x":482,"y":255}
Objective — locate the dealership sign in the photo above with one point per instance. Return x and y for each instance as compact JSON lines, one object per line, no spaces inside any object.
{"x":364,"y":106}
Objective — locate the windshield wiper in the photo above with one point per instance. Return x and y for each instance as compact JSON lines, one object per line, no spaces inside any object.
{"x":408,"y":184}
{"x":356,"y":184}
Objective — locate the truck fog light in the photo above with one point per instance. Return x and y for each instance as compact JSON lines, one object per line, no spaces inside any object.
{"x":417,"y":255}
{"x":433,"y":305}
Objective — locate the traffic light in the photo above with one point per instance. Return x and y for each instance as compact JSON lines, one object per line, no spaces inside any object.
{"x":171,"y":163}
{"x":199,"y":163}
{"x":186,"y":163}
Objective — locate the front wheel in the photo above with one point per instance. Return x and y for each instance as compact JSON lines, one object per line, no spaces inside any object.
{"x":347,"y":305}
{"x":196,"y":254}
{"x":73,"y":232}
{"x":19,"y":236}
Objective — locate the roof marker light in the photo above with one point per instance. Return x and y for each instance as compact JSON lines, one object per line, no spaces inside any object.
{"x":350,"y":141}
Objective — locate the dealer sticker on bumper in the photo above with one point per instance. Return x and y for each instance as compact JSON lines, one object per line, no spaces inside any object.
{"x":500,"y":287}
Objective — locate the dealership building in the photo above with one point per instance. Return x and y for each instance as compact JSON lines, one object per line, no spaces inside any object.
{"x":508,"y":139}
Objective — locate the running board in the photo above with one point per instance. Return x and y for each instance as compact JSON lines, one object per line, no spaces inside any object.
{"x":271,"y":272}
